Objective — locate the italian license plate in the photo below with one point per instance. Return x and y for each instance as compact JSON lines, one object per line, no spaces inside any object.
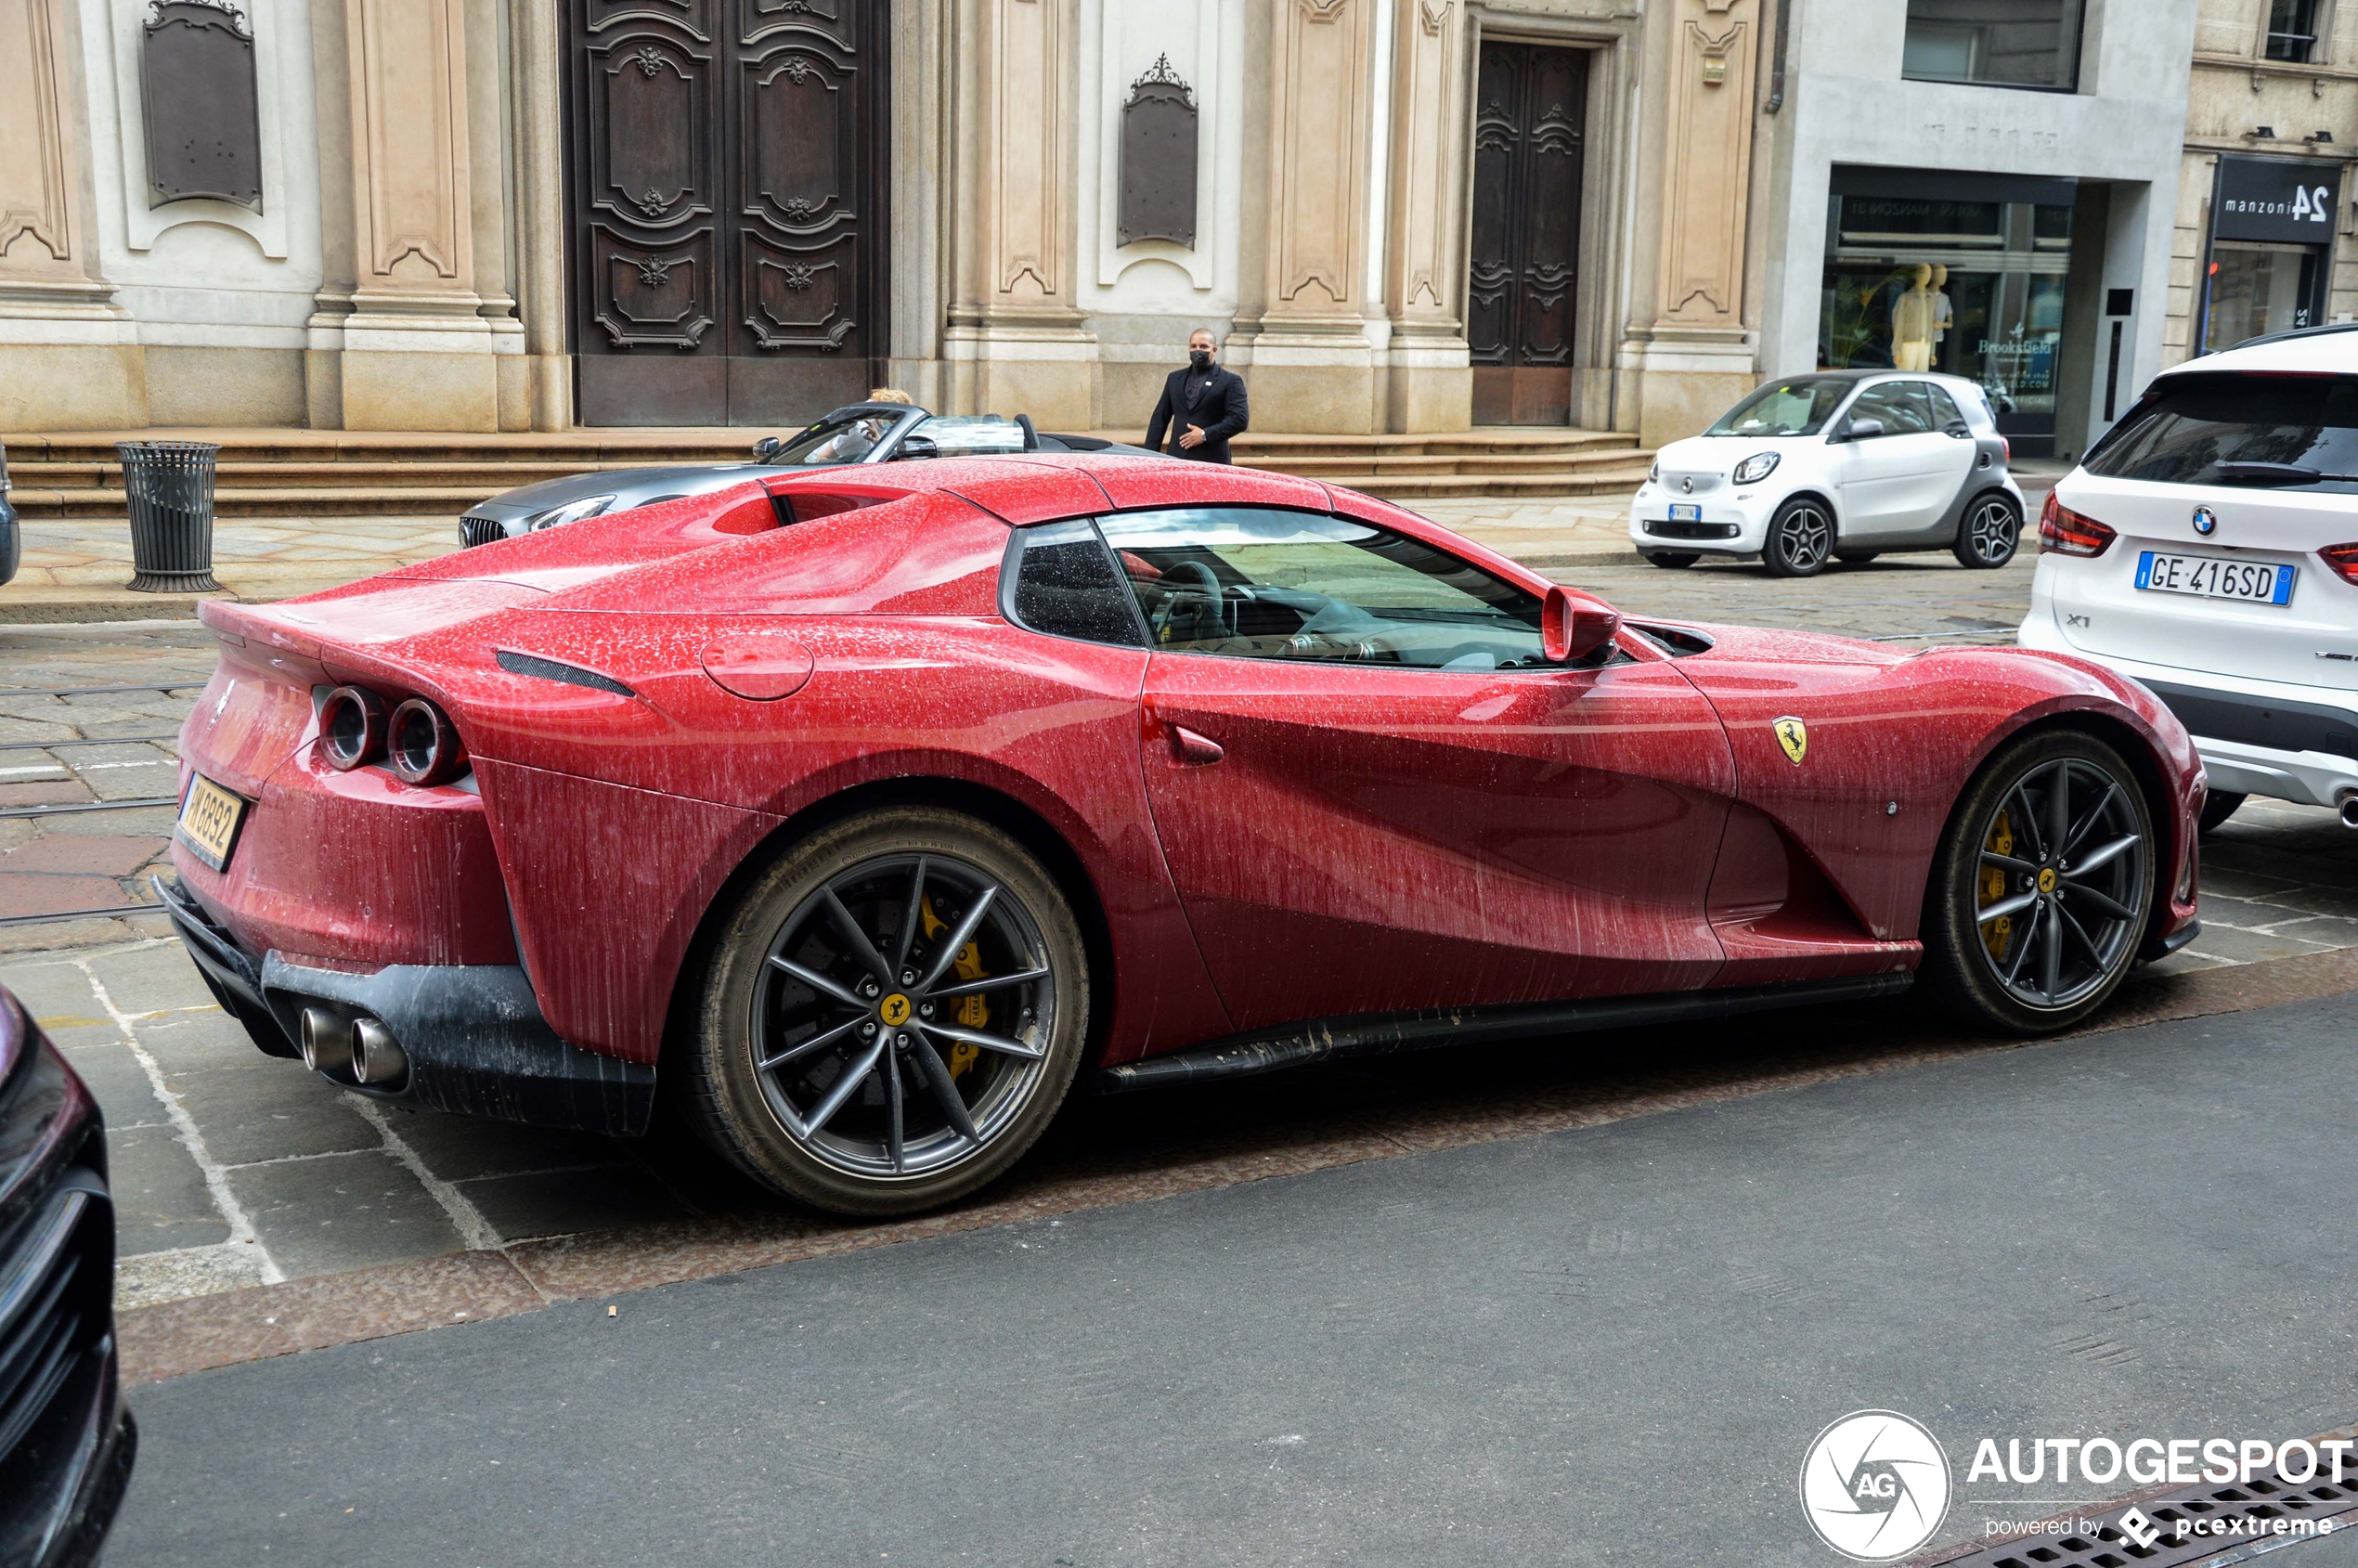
{"x":209,"y":817}
{"x":1684,"y":513}
{"x":2210,"y":576}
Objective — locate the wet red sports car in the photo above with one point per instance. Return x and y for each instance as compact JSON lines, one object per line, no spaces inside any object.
{"x":866,"y":809}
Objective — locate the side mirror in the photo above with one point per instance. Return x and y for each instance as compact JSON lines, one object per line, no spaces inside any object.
{"x":1862,"y":430}
{"x":916,"y":447}
{"x":767,"y":449}
{"x":1571,"y":629}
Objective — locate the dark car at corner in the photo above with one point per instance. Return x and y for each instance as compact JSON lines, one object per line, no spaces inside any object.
{"x":66,"y":1438}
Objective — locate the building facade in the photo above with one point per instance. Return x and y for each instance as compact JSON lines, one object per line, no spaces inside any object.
{"x":486,"y":214}
{"x":1986,"y":187}
{"x":1401,"y":215}
{"x":2267,"y":231}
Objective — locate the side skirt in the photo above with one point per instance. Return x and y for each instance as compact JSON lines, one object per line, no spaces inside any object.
{"x":1379,"y":1034}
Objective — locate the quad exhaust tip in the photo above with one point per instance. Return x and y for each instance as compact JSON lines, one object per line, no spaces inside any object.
{"x":352,"y":1050}
{"x":2349,"y":810}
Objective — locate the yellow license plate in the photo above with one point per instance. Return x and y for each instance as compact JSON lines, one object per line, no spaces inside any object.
{"x":209,"y":817}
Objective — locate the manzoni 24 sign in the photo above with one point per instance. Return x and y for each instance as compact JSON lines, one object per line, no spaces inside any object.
{"x":2276,"y":199}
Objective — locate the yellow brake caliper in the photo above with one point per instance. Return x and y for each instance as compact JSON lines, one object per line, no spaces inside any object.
{"x":972,"y":1011}
{"x":1993,"y":888}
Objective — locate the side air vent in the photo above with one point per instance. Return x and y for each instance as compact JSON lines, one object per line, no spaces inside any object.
{"x":568,"y":674}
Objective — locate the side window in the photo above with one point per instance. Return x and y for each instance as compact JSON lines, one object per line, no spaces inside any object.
{"x":1903,"y":411}
{"x":1064,"y":585}
{"x":1945,"y":412}
{"x":1249,"y":582}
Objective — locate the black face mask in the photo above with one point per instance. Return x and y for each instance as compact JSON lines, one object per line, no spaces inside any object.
{"x":1200,"y":359}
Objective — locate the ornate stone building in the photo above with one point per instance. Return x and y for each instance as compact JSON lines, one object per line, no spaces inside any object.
{"x":1403,"y":215}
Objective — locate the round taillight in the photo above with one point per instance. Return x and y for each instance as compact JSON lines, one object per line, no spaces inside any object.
{"x":421,"y":746}
{"x":352,"y":727}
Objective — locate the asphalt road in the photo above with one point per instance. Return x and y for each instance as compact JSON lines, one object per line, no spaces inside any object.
{"x":1609,"y":1346}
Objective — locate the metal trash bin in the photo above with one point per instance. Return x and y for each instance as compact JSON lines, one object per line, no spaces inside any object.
{"x":171,"y":489}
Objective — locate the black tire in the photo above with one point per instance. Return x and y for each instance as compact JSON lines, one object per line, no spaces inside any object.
{"x":1673,"y":560}
{"x":1801,"y":538}
{"x":2218,"y":808}
{"x":1996,"y":862}
{"x":1856,"y":557}
{"x":858,"y":1154}
{"x":1989,"y":533}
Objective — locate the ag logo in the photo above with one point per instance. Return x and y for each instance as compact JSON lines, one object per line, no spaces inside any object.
{"x":894,"y":1010}
{"x":1793,"y":735}
{"x":1876,"y":1485}
{"x":2205,"y":521}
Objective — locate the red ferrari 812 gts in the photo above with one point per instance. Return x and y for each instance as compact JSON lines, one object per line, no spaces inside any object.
{"x":868,"y":810}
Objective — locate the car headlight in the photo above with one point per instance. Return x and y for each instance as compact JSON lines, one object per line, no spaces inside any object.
{"x":572,"y":512}
{"x":1756,"y":468}
{"x":1653,"y":474}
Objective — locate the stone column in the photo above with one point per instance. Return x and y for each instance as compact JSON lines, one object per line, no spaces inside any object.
{"x":69,"y":357}
{"x":1016,"y":343}
{"x":541,"y":216}
{"x":1700,"y":354}
{"x":1307,"y":357}
{"x":1430,"y":386}
{"x":417,"y":351}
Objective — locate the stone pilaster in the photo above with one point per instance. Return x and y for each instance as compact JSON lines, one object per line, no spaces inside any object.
{"x":1698,"y":355}
{"x":69,"y":357}
{"x":1307,"y":357}
{"x":1430,"y":382}
{"x":1015,"y":341}
{"x":541,"y":215}
{"x":417,"y":352}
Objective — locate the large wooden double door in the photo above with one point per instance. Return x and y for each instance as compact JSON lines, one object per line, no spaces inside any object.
{"x":727,"y":161}
{"x":1529,"y":121}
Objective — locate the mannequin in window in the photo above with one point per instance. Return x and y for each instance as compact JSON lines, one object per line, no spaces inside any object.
{"x":1944,"y":315}
{"x":1911,"y":325}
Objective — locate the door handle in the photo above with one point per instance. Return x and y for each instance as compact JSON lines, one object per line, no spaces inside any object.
{"x":1192,"y":750}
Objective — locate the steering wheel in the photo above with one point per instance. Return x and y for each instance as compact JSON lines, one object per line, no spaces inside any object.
{"x":1210,"y":590}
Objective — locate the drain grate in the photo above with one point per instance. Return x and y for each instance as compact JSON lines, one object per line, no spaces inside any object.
{"x":2189,"y":1525}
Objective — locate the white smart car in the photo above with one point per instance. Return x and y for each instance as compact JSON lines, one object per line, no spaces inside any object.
{"x":1842,"y":465}
{"x":2208,"y":546}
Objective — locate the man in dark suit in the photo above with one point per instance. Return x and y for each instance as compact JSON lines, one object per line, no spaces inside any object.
{"x":1204,"y":402}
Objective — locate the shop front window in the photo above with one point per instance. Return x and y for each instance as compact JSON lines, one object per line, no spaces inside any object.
{"x":1963,"y":286}
{"x":2257,"y":288}
{"x":2002,"y":42}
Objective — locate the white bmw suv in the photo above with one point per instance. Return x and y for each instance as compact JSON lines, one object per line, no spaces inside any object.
{"x":1840,"y":465}
{"x":2207,"y":547}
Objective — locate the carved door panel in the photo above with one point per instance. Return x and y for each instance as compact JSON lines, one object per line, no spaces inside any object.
{"x":1531,"y":112}
{"x":726,"y":160}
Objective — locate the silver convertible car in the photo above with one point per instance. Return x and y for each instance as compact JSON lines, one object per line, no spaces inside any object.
{"x":857,"y":433}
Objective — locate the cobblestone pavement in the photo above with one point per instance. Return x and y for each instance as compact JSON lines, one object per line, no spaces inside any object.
{"x":234,"y":1169}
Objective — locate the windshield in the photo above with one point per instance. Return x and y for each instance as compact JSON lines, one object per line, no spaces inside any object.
{"x":2284,"y":432}
{"x":1795,"y":408}
{"x":960,"y":435}
{"x":837,"y":438}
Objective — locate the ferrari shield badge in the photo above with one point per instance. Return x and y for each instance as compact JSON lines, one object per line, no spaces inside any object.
{"x":1793,"y":735}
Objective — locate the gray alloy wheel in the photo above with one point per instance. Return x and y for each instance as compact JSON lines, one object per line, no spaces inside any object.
{"x":894,"y":1014}
{"x":1988,"y":537}
{"x":1801,"y":539}
{"x":2045,"y":885}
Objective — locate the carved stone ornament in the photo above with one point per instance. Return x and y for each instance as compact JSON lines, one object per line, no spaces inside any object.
{"x":198,"y":95}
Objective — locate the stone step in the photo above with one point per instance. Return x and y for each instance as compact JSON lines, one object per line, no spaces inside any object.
{"x":282,"y":472}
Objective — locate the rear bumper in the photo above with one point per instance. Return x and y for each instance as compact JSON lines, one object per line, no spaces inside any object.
{"x":474,"y":1033}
